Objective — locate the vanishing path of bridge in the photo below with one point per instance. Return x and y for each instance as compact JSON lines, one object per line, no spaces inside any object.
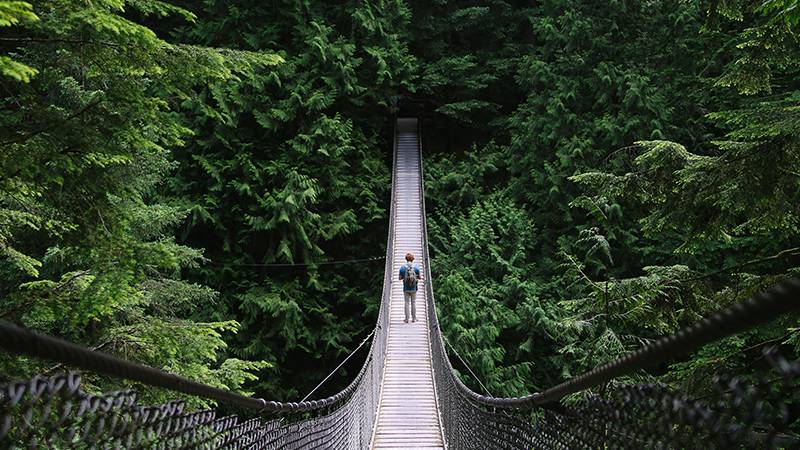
{"x":408,"y":416}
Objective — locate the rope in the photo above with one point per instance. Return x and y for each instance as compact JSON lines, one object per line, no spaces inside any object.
{"x":466,"y":365}
{"x":760,"y":309}
{"x":22,"y":341}
{"x":340,"y":365}
{"x":299,"y":264}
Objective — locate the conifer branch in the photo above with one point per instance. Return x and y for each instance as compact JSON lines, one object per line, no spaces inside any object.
{"x":72,"y":278}
{"x":74,"y":115}
{"x":583,"y":274}
{"x":784,"y":254}
{"x":60,"y":41}
{"x":598,"y":208}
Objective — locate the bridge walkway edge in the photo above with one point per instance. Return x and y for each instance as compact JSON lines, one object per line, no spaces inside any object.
{"x":408,"y":415}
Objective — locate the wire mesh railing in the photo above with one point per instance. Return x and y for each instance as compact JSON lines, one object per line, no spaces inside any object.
{"x":56,"y":413}
{"x":743,"y":415}
{"x":754,"y":414}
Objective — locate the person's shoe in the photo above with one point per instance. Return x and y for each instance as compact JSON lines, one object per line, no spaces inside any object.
{"x":405,"y":320}
{"x":415,"y":320}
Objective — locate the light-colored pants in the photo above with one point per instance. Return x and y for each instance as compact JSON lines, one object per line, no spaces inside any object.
{"x":411,"y":302}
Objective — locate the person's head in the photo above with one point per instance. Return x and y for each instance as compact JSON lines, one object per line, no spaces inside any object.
{"x":409,"y":256}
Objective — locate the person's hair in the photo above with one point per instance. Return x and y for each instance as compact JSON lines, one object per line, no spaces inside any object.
{"x":409,"y":256}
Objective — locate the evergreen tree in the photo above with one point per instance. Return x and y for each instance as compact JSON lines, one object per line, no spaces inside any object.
{"x":84,"y":145}
{"x":12,"y":13}
{"x":735,"y":202}
{"x":469,"y":53}
{"x":597,"y":80}
{"x":487,"y":298}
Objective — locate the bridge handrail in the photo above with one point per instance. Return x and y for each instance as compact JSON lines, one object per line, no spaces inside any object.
{"x":646,"y":415}
{"x":23,"y":341}
{"x":760,"y":309}
{"x":346,"y":418}
{"x":460,"y":407}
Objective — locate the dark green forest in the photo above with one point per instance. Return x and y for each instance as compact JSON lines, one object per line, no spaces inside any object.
{"x":203,"y":186}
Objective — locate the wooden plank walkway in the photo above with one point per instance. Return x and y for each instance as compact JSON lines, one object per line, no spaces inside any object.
{"x":408,"y":416}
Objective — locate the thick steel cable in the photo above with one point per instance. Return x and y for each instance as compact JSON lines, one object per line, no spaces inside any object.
{"x":22,"y":341}
{"x":344,"y":421}
{"x":365,"y":388}
{"x":463,"y":419}
{"x":760,"y":309}
{"x":474,"y":422}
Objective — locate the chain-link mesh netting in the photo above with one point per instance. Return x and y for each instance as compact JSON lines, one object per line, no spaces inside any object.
{"x":764,"y":414}
{"x":54,"y":413}
{"x":741,"y":415}
{"x":756,"y":415}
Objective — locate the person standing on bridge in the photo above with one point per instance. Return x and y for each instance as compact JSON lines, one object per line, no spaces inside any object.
{"x":410,"y":274}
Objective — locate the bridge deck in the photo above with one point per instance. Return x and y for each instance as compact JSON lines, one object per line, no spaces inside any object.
{"x":408,"y":416}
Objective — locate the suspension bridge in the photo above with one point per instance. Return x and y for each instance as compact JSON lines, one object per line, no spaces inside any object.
{"x":407,"y":395}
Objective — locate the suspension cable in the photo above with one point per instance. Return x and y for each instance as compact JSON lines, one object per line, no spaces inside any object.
{"x":341,"y":364}
{"x":297,"y":264}
{"x":466,"y":365}
{"x":26,"y":342}
{"x":23,"y":341}
{"x":760,"y":309}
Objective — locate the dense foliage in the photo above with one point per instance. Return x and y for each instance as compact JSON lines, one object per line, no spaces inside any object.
{"x":653,"y":159}
{"x":187,"y":184}
{"x":293,"y":171}
{"x":86,"y":135}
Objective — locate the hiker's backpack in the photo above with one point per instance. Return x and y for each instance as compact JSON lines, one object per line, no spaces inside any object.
{"x":410,"y":277}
